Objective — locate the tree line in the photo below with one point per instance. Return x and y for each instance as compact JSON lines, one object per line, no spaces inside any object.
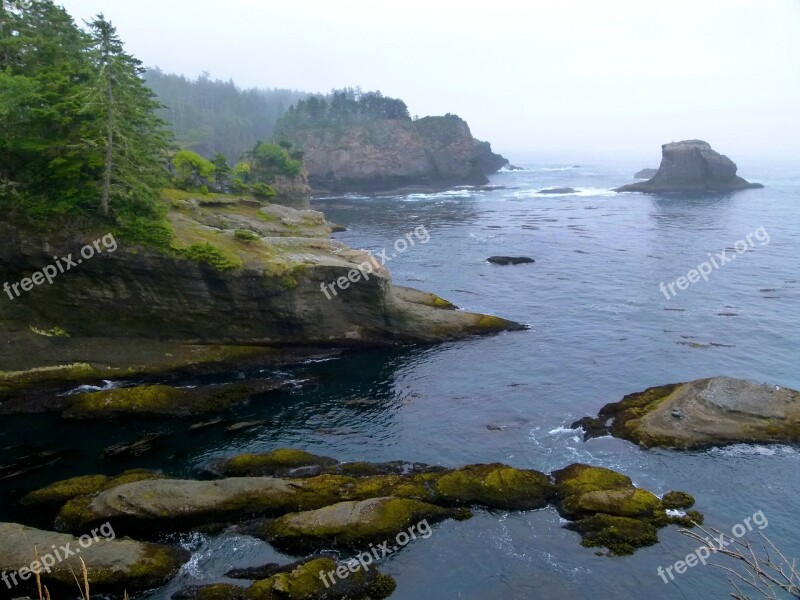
{"x":344,"y":106}
{"x":210,"y":116}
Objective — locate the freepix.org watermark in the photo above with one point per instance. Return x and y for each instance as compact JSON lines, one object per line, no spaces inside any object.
{"x":61,"y":265}
{"x":58,"y":554}
{"x":715,"y":261}
{"x":367,"y":268}
{"x":365,"y":559}
{"x":713,"y":544}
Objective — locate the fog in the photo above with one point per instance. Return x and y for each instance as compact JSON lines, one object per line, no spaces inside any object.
{"x":568,"y":79}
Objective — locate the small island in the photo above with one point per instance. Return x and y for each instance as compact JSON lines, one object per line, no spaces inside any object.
{"x":691,"y":166}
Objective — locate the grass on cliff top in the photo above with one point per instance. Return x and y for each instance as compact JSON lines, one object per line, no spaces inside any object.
{"x":223,"y":249}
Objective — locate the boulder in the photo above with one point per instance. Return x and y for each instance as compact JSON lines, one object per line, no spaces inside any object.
{"x":510,"y":260}
{"x":608,"y":510}
{"x":558,"y":190}
{"x":163,"y":400}
{"x":349,"y":525}
{"x":692,"y":166}
{"x":701,"y":413}
{"x":112,"y":564}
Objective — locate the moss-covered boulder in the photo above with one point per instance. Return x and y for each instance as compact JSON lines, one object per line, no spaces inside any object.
{"x":494,"y":486}
{"x":280,"y":462}
{"x":701,"y":413}
{"x":608,"y":510}
{"x":163,"y":400}
{"x":579,"y":478}
{"x":621,"y":535}
{"x":112,"y":564}
{"x":349,"y":525}
{"x":631,"y":502}
{"x":61,"y":491}
{"x":175,"y":504}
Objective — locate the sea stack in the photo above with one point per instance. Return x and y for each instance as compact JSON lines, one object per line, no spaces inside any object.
{"x":692,"y":166}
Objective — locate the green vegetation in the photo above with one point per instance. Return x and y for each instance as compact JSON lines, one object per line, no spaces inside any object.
{"x":216,"y":118}
{"x":81,"y":140}
{"x":210,"y":254}
{"x":192,"y":171}
{"x":343,"y":106}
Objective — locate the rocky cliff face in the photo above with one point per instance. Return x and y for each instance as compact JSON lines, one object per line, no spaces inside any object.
{"x":692,"y":166}
{"x":241,"y":273}
{"x":384,"y":154}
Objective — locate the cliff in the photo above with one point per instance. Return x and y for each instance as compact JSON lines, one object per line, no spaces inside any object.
{"x":385,"y":154}
{"x":239,"y":273}
{"x":692,"y":166}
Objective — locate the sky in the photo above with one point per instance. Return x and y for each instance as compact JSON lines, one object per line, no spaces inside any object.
{"x":559,"y":79}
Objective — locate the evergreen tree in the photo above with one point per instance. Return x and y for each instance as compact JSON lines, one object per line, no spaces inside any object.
{"x":125,"y":134}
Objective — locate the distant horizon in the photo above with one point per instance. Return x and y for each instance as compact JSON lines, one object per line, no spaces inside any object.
{"x":617,"y":78}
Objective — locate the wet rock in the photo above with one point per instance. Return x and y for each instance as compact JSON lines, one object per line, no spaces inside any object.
{"x":280,"y":462}
{"x":691,"y":166}
{"x":32,"y":462}
{"x":509,"y":260}
{"x":621,"y":535}
{"x":348,"y":525}
{"x":302,"y":581}
{"x":143,"y":445}
{"x":112,"y":564}
{"x":608,"y":510}
{"x":713,"y":412}
{"x":61,"y":491}
{"x":164,"y":400}
{"x":558,"y":190}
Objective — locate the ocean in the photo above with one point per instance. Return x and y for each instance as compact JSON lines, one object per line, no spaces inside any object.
{"x":600,"y":326}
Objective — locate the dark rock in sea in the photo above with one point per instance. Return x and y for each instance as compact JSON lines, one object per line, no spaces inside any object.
{"x":509,"y":260}
{"x":146,"y":443}
{"x":510,"y":167}
{"x":559,"y":190}
{"x":700,"y":414}
{"x":692,"y":166}
{"x":646,"y":174}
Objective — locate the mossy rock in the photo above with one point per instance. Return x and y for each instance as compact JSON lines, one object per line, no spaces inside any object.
{"x":677,"y":500}
{"x":632,"y":502}
{"x":85,"y":485}
{"x":579,"y":479}
{"x":495,"y":486}
{"x":161,"y":400}
{"x":61,"y":491}
{"x":275,"y":463}
{"x":305,"y":582}
{"x":351,"y":524}
{"x":621,"y":535}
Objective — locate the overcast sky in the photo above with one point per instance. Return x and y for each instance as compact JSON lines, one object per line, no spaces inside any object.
{"x":554,"y":79}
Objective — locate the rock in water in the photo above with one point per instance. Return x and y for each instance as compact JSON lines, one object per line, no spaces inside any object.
{"x":112,"y":564}
{"x":646,"y":174}
{"x":558,"y":190}
{"x":701,"y":413}
{"x":509,"y":260}
{"x":691,"y":166}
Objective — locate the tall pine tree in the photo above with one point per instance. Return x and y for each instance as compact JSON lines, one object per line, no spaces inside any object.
{"x":124,"y":133}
